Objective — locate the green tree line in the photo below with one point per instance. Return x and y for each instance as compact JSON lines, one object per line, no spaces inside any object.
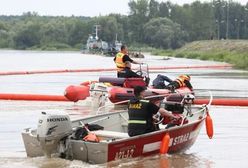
{"x":149,"y":23}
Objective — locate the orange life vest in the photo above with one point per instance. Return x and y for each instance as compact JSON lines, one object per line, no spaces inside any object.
{"x":120,"y":65}
{"x":181,"y":80}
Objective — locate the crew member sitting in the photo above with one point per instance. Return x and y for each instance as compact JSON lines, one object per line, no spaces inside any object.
{"x":141,"y":113}
{"x":121,"y":60}
{"x":127,"y":72}
{"x":181,"y":81}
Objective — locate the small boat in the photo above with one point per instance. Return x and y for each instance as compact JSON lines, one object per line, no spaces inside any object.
{"x":136,"y":55}
{"x":95,"y":45}
{"x":118,"y":89}
{"x":103,"y":138}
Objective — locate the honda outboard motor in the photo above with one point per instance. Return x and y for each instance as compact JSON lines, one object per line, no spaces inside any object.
{"x":51,"y":129}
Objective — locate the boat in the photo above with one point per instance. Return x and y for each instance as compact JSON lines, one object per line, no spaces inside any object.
{"x":136,"y":54}
{"x":118,"y":89}
{"x":113,"y":90}
{"x":95,"y":45}
{"x":103,"y":138}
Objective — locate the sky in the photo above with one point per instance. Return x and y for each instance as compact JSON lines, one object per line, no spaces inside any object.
{"x":73,"y":7}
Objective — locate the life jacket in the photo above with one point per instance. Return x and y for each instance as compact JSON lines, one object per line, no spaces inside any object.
{"x":120,"y":65}
{"x":181,"y":80}
{"x":91,"y":138}
{"x":137,"y":111}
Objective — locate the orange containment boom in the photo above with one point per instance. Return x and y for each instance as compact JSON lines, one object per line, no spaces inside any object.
{"x":109,"y":69}
{"x":33,"y":97}
{"x":193,"y":67}
{"x":224,"y":102}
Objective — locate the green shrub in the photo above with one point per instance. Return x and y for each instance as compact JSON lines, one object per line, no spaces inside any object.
{"x":56,"y":46}
{"x":193,"y":55}
{"x":230,"y":51}
{"x":179,"y":55}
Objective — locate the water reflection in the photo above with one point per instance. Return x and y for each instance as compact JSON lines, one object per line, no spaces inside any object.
{"x":228,"y":148}
{"x":164,"y":161}
{"x":42,"y":162}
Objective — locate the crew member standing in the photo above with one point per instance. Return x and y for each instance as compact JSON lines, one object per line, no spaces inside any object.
{"x":121,"y":60}
{"x":141,"y":113}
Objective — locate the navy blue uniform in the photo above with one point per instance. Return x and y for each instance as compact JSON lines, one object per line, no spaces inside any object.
{"x":140,"y":116}
{"x":158,"y":83}
{"x":128,"y":73}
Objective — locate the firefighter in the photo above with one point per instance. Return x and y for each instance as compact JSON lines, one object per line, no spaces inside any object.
{"x":158,"y":82}
{"x":127,"y":72}
{"x":181,"y":81}
{"x":121,"y":60}
{"x":141,"y":113}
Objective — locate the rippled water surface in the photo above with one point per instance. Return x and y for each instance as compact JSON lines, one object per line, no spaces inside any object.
{"x":228,"y":148}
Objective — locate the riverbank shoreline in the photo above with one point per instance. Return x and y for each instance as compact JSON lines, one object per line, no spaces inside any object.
{"x":234,"y":52}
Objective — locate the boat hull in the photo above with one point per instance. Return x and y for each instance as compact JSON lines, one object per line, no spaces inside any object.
{"x":145,"y":145}
{"x":118,"y":147}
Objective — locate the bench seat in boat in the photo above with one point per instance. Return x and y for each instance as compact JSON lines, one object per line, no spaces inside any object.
{"x":110,"y":134}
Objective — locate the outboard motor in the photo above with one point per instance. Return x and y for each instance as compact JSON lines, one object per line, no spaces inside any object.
{"x":51,"y":129}
{"x":99,"y":94}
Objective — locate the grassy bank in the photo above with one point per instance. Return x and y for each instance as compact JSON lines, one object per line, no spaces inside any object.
{"x":231,"y":51}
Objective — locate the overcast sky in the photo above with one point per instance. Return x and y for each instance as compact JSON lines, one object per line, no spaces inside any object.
{"x":72,"y":7}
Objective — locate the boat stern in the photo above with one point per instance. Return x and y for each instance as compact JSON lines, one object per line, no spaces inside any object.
{"x":32,"y":145}
{"x":90,"y":152}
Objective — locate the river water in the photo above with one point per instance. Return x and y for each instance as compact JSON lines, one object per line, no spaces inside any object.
{"x":228,"y":148}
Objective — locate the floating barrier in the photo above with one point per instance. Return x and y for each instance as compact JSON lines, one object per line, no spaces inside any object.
{"x":109,"y":69}
{"x":32,"y":97}
{"x":224,"y":102}
{"x":84,"y":92}
{"x":192,"y":67}
{"x":76,"y":93}
{"x":56,"y":71}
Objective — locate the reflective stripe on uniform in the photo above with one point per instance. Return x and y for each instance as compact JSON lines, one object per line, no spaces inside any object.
{"x":136,"y":122}
{"x":142,"y":100}
{"x":145,"y":101}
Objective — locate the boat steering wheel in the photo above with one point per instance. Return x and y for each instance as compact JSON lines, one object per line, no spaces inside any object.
{"x":139,"y":72}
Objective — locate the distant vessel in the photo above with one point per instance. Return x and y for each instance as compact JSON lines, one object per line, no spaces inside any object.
{"x":95,"y":45}
{"x":114,"y":48}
